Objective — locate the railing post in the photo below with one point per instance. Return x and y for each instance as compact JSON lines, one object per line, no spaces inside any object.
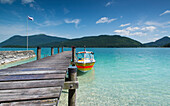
{"x":62,"y":49}
{"x":72,"y":92}
{"x":38,"y":53}
{"x":73,"y":55}
{"x":52,"y":51}
{"x":58,"y":49}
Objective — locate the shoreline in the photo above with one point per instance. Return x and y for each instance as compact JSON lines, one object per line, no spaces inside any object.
{"x":7,"y":57}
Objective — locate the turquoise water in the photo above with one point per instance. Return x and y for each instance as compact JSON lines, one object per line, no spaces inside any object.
{"x":126,"y":76}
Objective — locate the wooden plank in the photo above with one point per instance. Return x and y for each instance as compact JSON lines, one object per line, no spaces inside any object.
{"x":32,"y":69}
{"x":31,"y":77}
{"x":31,"y":84}
{"x":29,"y":94}
{"x":33,"y":72}
{"x":41,"y":66}
{"x":47,"y":102}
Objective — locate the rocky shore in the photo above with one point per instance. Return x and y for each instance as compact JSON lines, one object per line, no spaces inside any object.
{"x":12,"y":56}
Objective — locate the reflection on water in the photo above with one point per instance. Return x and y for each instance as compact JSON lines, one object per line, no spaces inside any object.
{"x":86,"y":77}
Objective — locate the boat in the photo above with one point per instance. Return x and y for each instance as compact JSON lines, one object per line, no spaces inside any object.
{"x":85,"y":61}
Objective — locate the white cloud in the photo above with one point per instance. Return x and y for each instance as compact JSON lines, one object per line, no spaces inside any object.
{"x":138,"y":34}
{"x":75,"y":21}
{"x":66,"y":11}
{"x":105,"y":20}
{"x":153,"y":23}
{"x":128,"y":33}
{"x":31,"y":5}
{"x":49,"y":23}
{"x":160,"y":24}
{"x":27,"y":1}
{"x":122,"y":32}
{"x":135,"y":31}
{"x":132,"y":28}
{"x":164,"y":31}
{"x":149,"y":28}
{"x":7,"y":1}
{"x":108,"y":3}
{"x":123,"y":25}
{"x":166,"y":12}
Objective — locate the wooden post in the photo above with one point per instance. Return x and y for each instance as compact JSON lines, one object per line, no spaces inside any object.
{"x":38,"y":53}
{"x":58,"y":49}
{"x":52,"y":51}
{"x":62,"y":49}
{"x":72,"y":76}
{"x":73,"y":54}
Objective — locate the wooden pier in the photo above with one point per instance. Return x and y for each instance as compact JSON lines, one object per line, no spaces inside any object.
{"x":37,"y":83}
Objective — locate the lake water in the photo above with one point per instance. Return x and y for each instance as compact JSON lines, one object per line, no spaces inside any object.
{"x":125,"y":76}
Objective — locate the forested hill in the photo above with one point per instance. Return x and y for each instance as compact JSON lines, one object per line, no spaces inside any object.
{"x":98,"y":41}
{"x":158,"y":43}
{"x":34,"y":40}
{"x":51,"y":41}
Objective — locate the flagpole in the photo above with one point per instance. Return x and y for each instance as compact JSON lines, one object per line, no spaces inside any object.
{"x":27,"y":33}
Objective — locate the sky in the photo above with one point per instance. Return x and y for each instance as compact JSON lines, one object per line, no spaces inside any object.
{"x":142,"y":20}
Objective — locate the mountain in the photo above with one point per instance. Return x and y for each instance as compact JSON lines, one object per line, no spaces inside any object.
{"x":91,"y":41}
{"x":34,"y":40}
{"x":158,"y":43}
{"x":167,"y":45}
{"x":98,"y":41}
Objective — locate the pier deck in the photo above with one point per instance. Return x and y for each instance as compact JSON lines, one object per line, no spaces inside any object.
{"x":36,"y":83}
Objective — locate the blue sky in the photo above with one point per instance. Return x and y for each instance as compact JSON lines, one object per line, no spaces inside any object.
{"x":142,"y":20}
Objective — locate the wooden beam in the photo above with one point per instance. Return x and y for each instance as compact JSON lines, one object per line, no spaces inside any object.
{"x":44,"y":102}
{"x":52,"y":51}
{"x":31,"y":77}
{"x":29,"y":94}
{"x":38,"y":53}
{"x":33,"y":72}
{"x":31,"y":84}
{"x":58,"y":49}
{"x":62,"y":49}
{"x":72,"y":76}
{"x":71,"y":85}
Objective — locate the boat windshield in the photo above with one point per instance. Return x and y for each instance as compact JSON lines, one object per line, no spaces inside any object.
{"x":82,"y":56}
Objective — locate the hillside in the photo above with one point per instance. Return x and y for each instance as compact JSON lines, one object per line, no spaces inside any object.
{"x":98,"y":41}
{"x":34,"y":40}
{"x":167,"y":45}
{"x":158,"y":43}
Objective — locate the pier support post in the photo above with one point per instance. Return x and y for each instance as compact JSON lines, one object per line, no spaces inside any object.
{"x":72,"y":71}
{"x":58,"y":49}
{"x":62,"y":49}
{"x":38,"y":53}
{"x":52,"y":51}
{"x":73,"y":55}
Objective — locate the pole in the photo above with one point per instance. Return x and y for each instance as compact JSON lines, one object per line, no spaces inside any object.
{"x":58,"y":49}
{"x":27,"y":33}
{"x":38,"y":53}
{"x":72,"y":71}
{"x":52,"y":51}
{"x":62,"y":49}
{"x":73,"y":55}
